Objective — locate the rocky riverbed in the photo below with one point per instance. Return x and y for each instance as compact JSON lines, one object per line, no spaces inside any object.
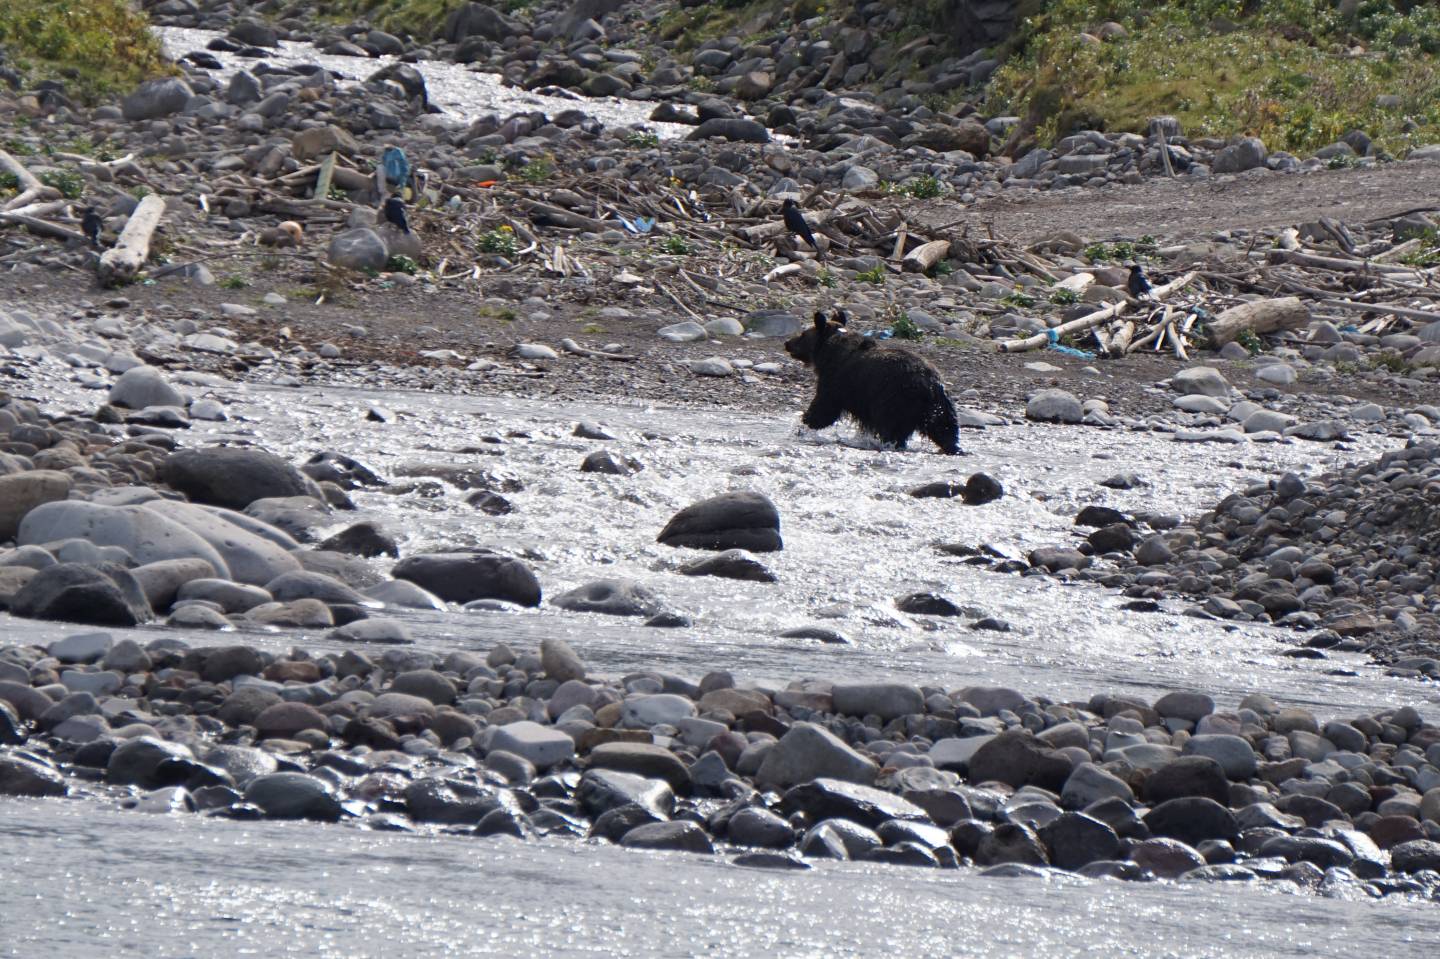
{"x":395,"y":551}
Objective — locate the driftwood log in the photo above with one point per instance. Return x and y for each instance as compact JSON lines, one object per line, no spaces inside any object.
{"x":121,"y":263}
{"x":1258,"y":316}
{"x":926,"y":255}
{"x":31,"y":189}
{"x":1091,"y":319}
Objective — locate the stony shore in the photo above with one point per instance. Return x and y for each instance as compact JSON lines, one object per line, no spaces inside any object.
{"x":109,"y":518}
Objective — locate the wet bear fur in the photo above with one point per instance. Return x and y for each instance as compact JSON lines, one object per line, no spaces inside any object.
{"x":890,"y":392}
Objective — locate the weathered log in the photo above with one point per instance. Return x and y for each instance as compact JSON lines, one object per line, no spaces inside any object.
{"x":30,"y":188}
{"x":1258,"y":316}
{"x":121,"y":263}
{"x":1090,"y":319}
{"x":43,"y":227}
{"x":926,"y":255}
{"x":548,"y":214}
{"x":1409,"y":312}
{"x":1338,"y":263}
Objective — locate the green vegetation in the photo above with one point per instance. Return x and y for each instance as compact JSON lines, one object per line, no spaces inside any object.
{"x":234,"y":283}
{"x":537,"y":170}
{"x":419,"y":18}
{"x":402,"y":264}
{"x":904,"y":328}
{"x":9,"y":183}
{"x":500,"y":241}
{"x":641,"y":140}
{"x":1064,"y":296}
{"x":1426,"y":255}
{"x":69,"y":182}
{"x":1251,"y":341}
{"x":675,"y":245}
{"x":97,"y":47}
{"x":1122,"y":251}
{"x":875,"y":275}
{"x":923,"y":187}
{"x":826,"y":278}
{"x":1018,"y":298}
{"x":1282,"y":70}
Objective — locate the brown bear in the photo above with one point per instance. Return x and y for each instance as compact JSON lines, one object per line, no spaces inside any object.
{"x":890,"y":392}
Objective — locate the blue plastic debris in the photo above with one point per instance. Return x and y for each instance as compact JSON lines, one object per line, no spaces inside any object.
{"x":397,"y":167}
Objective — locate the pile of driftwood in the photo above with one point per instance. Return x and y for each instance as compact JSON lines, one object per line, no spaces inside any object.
{"x":1359,"y":276}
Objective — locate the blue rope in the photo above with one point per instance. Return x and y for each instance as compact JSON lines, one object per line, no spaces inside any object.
{"x":1053,"y":342}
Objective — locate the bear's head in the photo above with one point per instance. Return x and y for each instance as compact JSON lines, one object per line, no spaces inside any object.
{"x":808,"y":344}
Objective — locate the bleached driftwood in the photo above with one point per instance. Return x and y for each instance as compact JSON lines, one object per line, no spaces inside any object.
{"x":1258,"y":316}
{"x":926,"y":255}
{"x":570,"y":346}
{"x":31,"y":189}
{"x":1091,"y":319}
{"x":1408,"y":312}
{"x":42,"y":227}
{"x":121,"y":263}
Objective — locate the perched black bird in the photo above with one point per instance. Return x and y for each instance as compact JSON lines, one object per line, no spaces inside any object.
{"x":795,"y":223}
{"x":1137,"y":285}
{"x":395,"y":213}
{"x":90,"y":225}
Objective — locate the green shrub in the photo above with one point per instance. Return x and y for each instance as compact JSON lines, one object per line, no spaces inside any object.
{"x":98,"y":47}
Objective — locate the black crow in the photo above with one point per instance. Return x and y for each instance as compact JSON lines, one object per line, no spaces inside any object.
{"x":395,"y":213}
{"x":91,"y":225}
{"x":1137,"y":285}
{"x":795,"y":223}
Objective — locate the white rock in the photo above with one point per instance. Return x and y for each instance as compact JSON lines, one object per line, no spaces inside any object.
{"x":1199,"y":403}
{"x":208,"y":409}
{"x":535,"y":351}
{"x":712,"y":366}
{"x":687,"y":332}
{"x":542,"y":745}
{"x":1281,"y":374}
{"x":642,"y":712}
{"x":248,"y":557}
{"x":725,"y":326}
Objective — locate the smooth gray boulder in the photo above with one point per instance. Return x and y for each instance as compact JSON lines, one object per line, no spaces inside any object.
{"x":612,"y":597}
{"x":234,"y":477}
{"x":156,"y":98}
{"x":248,"y":558}
{"x":143,"y":386}
{"x":359,"y":249}
{"x":544,"y":746}
{"x":807,"y":752}
{"x":886,"y":700}
{"x":146,"y":535}
{"x":464,"y":577}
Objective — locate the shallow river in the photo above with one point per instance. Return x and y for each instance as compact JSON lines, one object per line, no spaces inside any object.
{"x":81,"y":875}
{"x":82,"y":879}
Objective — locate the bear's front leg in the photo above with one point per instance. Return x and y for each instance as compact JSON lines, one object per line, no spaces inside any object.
{"x":824,"y":411}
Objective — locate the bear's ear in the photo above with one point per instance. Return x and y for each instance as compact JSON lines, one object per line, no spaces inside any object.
{"x":819,"y":321}
{"x":840,"y":318}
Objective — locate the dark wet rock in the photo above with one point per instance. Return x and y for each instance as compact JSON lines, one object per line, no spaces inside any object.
{"x":1188,"y":776}
{"x":1076,"y":839}
{"x":1416,"y":855}
{"x":284,"y":720}
{"x":291,"y":795}
{"x":226,"y":662}
{"x":234,"y":477}
{"x":1192,"y":820}
{"x":366,"y":538}
{"x":1017,"y":758}
{"x":1166,"y":858}
{"x":137,"y":761}
{"x":832,"y":798}
{"x":451,"y":801}
{"x":1011,"y":842}
{"x":770,"y":860}
{"x":464,"y":577}
{"x":29,"y":704}
{"x":981,"y":488}
{"x":75,"y":593}
{"x":903,"y":854}
{"x":927,"y":604}
{"x":731,"y":564}
{"x":839,"y":839}
{"x":615,"y":822}
{"x":26,"y":777}
{"x":681,"y":835}
{"x":603,"y":789}
{"x":741,"y":520}
{"x":754,"y":826}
